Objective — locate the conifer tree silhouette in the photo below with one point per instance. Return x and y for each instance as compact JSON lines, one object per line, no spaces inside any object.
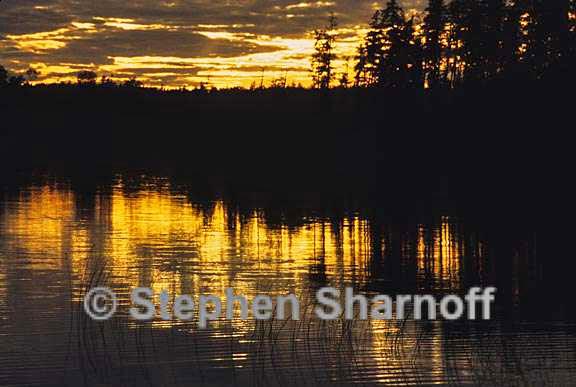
{"x":433,"y":50}
{"x":493,"y":56}
{"x":323,"y":57}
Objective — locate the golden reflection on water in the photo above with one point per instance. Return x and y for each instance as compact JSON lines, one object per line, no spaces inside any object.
{"x":38,"y":224}
{"x":174,"y":234}
{"x":154,"y":236}
{"x":55,"y":242}
{"x":439,"y":254}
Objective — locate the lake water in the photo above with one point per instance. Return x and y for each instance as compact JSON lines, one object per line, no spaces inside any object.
{"x":58,"y":240}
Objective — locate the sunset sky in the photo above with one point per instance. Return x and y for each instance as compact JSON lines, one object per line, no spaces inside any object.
{"x":177,"y":42}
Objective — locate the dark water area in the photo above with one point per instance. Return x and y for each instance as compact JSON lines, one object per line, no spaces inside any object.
{"x":173,"y":193}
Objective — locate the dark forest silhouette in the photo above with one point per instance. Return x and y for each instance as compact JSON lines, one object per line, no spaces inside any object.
{"x":460,"y":42}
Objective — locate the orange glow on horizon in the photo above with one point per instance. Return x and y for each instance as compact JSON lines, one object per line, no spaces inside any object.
{"x":282,"y":56}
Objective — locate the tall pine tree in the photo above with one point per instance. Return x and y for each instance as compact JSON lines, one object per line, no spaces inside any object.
{"x":370,"y":54}
{"x":323,"y":57}
{"x":493,"y":19}
{"x":434,"y":26}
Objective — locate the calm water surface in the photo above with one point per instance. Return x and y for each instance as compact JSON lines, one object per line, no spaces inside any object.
{"x":56,"y":242}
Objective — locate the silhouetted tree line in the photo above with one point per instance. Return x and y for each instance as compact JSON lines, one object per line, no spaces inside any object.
{"x":467,"y":41}
{"x":458,"y":42}
{"x":89,"y":78}
{"x":83,"y":78}
{"x":15,"y":80}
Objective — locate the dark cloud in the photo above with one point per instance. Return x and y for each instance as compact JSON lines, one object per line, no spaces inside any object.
{"x":120,"y":43}
{"x":31,"y":16}
{"x":180,"y":19}
{"x":25,"y":16}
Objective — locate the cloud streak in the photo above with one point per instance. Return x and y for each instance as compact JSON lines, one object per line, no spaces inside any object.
{"x":228,"y":42}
